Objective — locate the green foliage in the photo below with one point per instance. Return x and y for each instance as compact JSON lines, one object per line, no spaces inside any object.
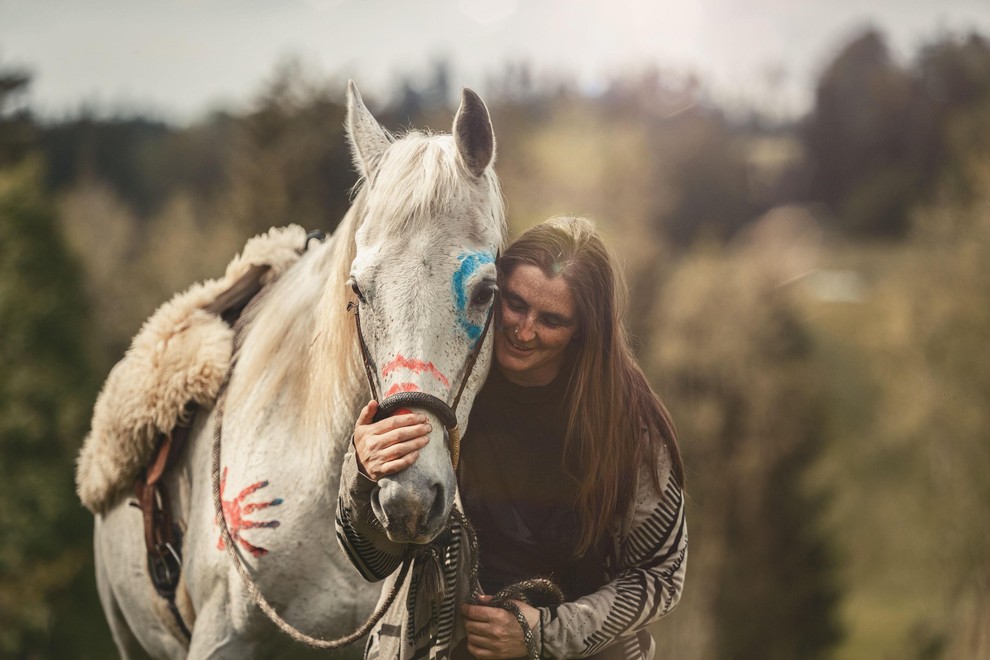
{"x":45,"y":393}
{"x":290,"y":161}
{"x":882,"y":136}
{"x":118,"y":151}
{"x":16,"y":128}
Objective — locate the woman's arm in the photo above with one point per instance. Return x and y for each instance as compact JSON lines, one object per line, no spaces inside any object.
{"x":652,"y":558}
{"x":379,"y":449}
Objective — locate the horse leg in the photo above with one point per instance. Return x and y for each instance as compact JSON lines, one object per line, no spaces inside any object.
{"x":127,"y":644}
{"x":130,"y":603}
{"x":215,"y":636}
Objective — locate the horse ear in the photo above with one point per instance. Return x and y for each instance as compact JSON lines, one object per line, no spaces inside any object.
{"x":367,"y":137}
{"x":473,"y":133}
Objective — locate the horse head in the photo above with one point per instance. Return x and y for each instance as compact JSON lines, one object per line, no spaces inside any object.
{"x":424,"y":283}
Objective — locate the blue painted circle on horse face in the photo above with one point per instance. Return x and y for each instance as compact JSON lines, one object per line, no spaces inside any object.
{"x":470,"y":263}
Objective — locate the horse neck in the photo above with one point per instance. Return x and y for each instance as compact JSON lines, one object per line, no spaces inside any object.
{"x":298,"y":360}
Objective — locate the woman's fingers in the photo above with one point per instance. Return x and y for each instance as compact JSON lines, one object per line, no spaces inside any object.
{"x":395,"y":459}
{"x":398,"y":465}
{"x":381,"y":443}
{"x":495,"y":633}
{"x":397,"y":421}
{"x":367,"y":414}
{"x":389,"y":445}
{"x":397,"y":451}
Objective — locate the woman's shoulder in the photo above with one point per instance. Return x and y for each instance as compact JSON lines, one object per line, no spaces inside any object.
{"x":658,"y":458}
{"x":656,"y":490}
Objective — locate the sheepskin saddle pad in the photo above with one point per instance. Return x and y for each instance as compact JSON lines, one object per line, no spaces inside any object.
{"x":181,"y":354}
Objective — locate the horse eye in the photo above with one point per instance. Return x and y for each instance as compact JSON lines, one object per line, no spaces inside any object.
{"x":483,"y":294}
{"x":356,"y":289}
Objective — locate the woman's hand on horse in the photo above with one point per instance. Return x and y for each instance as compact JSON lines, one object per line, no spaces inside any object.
{"x":495,"y":633}
{"x":389,"y":445}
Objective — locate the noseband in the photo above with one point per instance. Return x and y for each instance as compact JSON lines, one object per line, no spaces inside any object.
{"x":446,"y":412}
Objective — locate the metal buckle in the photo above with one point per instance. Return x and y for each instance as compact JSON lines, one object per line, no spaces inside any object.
{"x":165,"y":567}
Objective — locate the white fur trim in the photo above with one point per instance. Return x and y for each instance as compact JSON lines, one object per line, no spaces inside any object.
{"x":180,"y":354}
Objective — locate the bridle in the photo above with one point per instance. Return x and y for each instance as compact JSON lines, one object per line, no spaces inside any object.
{"x":447,"y":413}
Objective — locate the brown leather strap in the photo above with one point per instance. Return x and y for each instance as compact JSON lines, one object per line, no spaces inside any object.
{"x":229,"y":304}
{"x":152,"y":493}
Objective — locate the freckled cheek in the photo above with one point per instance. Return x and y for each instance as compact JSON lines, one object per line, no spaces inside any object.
{"x":559,"y":340}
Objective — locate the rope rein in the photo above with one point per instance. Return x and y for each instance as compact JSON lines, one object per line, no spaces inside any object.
{"x":536,"y":592}
{"x":249,"y":582}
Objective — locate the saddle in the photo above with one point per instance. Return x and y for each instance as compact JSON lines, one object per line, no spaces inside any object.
{"x":174,"y":366}
{"x":180,"y":355}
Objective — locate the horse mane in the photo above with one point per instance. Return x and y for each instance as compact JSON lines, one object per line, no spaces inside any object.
{"x":298,"y":326}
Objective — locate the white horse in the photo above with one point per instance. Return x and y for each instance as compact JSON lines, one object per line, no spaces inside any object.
{"x":416,"y":253}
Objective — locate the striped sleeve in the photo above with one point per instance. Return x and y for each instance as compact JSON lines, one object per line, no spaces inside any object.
{"x":365,"y":544}
{"x":652,"y":558}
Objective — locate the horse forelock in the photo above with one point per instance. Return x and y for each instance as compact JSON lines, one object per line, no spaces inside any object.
{"x":421,"y":180}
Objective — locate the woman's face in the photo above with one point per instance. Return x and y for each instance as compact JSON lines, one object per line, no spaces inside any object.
{"x":539,"y":320}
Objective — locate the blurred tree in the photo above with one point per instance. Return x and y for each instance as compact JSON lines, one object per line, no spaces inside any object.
{"x":116,"y":152}
{"x":870,"y":140}
{"x":46,"y":585}
{"x":700,"y":188}
{"x":16,"y":127}
{"x":290,"y":162}
{"x":943,"y":286}
{"x":734,"y":361}
{"x":954,"y":73}
{"x":409,"y":102}
{"x":709,"y":177}
{"x":416,"y":105}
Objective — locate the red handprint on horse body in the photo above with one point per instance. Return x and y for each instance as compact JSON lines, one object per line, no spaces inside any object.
{"x":235,"y":512}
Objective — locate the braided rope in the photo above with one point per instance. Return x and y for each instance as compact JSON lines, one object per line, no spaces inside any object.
{"x":251,"y":585}
{"x":537,"y":592}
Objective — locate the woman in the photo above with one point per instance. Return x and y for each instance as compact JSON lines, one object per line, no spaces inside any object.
{"x":570,"y":468}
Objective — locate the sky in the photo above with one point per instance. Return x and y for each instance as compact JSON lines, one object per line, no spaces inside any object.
{"x":180,"y":59}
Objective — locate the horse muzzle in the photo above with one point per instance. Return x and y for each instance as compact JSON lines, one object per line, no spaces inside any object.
{"x":411,"y":509}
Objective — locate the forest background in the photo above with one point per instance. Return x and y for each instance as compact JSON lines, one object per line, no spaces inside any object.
{"x":808,"y":295}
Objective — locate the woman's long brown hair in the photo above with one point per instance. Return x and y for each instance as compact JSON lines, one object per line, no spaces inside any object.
{"x":615,"y":421}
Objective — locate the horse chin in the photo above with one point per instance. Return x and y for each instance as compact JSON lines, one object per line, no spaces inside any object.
{"x":415,"y":540}
{"x":404,"y":531}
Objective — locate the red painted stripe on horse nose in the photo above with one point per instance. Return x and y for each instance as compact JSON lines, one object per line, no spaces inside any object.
{"x":401,"y":387}
{"x":415,"y":366}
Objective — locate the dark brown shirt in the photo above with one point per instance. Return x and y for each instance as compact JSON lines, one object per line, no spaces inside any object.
{"x":518,"y":489}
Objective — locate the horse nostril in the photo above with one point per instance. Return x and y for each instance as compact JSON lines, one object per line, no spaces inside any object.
{"x":376,"y":503}
{"x":439,"y":501}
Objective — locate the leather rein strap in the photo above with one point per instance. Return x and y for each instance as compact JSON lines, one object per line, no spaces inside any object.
{"x":439,"y":407}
